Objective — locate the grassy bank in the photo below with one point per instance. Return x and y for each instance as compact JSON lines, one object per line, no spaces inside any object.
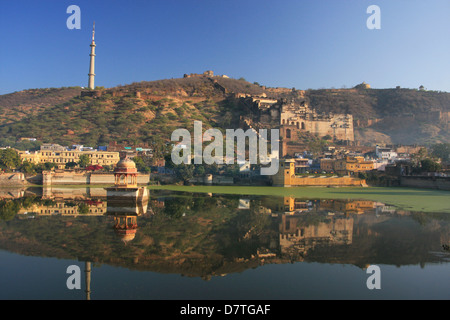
{"x":404,"y":198}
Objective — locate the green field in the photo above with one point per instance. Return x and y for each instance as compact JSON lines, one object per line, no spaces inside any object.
{"x":424,"y":200}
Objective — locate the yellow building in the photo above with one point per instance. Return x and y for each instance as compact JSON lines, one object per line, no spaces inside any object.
{"x":327,"y":165}
{"x":62,"y":157}
{"x":348,"y":165}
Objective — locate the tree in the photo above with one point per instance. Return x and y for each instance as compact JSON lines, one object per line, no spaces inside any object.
{"x":428,"y":165}
{"x":71,"y":165}
{"x":27,"y":167}
{"x":8,"y":209}
{"x":227,"y":119}
{"x":84,"y":161}
{"x":232,"y":170}
{"x":142,"y":165}
{"x":184,"y":172}
{"x":199,"y":170}
{"x":441,"y":150}
{"x":316,"y":146}
{"x":9,"y":159}
{"x":50,"y":165}
{"x":419,"y":156}
{"x":83,"y":208}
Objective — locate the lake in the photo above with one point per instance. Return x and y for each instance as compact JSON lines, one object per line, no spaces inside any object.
{"x":225,"y":243}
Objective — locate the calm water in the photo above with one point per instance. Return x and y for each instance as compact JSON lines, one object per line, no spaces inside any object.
{"x":184,"y":245}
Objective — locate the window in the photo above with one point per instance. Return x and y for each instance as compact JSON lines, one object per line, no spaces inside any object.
{"x":288,"y":133}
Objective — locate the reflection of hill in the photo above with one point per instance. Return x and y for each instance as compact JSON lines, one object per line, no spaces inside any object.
{"x":204,"y":236}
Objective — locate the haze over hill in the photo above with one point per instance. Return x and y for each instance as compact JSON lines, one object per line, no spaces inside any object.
{"x":148,"y":112}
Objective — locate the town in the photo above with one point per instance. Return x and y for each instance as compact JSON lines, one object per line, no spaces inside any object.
{"x":307,"y":148}
{"x":225,"y":151}
{"x":331,"y":165}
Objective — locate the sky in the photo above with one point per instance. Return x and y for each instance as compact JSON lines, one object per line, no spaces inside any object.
{"x":302,"y":44}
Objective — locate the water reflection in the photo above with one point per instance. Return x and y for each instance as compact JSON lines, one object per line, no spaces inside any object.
{"x":202,"y":235}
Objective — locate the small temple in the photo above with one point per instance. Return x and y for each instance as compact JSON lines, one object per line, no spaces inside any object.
{"x":126,"y":200}
{"x":125,"y":183}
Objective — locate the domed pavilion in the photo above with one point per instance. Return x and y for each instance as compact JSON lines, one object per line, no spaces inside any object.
{"x":125,"y":174}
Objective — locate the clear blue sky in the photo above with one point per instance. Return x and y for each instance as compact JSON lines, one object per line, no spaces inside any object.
{"x":285,"y":43}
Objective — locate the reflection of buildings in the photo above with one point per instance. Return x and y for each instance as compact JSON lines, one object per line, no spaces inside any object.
{"x":125,"y":217}
{"x":78,"y":193}
{"x":348,"y":206}
{"x":125,"y":227}
{"x":244,"y":204}
{"x":120,"y":206}
{"x":90,"y":207}
{"x":306,"y":224}
{"x":298,"y":235}
{"x":291,"y":205}
{"x":11,"y":193}
{"x":125,"y":213}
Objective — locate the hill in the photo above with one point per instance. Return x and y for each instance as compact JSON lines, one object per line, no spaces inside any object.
{"x":404,"y":116}
{"x":149,"y":111}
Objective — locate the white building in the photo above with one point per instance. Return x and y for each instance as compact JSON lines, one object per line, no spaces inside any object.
{"x":385,"y":153}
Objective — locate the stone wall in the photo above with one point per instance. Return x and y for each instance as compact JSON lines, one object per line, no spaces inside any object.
{"x":297,"y":181}
{"x":9,"y":179}
{"x":82,"y":177}
{"x":440,"y":183}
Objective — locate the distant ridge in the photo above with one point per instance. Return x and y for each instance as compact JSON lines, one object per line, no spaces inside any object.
{"x":150,"y":110}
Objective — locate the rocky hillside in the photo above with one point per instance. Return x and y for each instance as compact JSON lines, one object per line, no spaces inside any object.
{"x":404,"y":116}
{"x":148,"y":112}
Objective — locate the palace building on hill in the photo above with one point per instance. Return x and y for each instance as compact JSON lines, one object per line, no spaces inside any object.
{"x":294,"y":118}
